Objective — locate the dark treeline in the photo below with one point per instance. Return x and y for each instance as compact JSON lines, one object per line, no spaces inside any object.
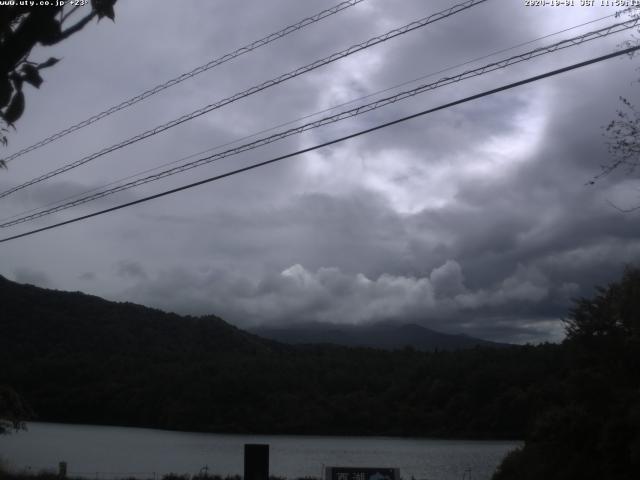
{"x":594,"y":432}
{"x":6,"y":475}
{"x":78,"y":358}
{"x":311,"y":391}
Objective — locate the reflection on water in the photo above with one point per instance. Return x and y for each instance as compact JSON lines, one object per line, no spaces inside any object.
{"x":103,"y":451}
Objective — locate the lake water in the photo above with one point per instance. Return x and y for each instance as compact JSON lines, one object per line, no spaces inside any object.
{"x":108,"y":452}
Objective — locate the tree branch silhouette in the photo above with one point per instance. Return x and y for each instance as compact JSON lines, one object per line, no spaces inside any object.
{"x":21,"y":29}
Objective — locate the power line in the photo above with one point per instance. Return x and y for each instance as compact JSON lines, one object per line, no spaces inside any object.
{"x":509,"y":86}
{"x":305,"y":117}
{"x":255,"y":89}
{"x":615,"y":28}
{"x":185,"y":76}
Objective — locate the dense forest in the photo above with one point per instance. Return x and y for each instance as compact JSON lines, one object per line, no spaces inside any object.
{"x":77,"y":358}
{"x":594,"y":433}
{"x":386,"y":335}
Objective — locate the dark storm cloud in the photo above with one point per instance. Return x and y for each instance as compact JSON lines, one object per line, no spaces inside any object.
{"x":529,"y":288}
{"x":328,"y":294}
{"x":52,"y":194}
{"x":357,"y":231}
{"x":475,"y":219}
{"x":32,"y":277}
{"x":130,"y":269}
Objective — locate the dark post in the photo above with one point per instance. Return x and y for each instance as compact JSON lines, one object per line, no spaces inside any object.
{"x":62,"y":469}
{"x":256,"y":462}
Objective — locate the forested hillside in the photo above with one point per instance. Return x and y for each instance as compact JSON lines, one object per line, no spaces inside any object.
{"x":594,"y":433}
{"x":77,"y":358}
{"x":386,"y":335}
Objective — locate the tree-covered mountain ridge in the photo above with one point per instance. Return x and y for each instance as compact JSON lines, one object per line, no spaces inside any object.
{"x":385,"y":335}
{"x":78,"y":358}
{"x":97,"y":323}
{"x":43,"y":320}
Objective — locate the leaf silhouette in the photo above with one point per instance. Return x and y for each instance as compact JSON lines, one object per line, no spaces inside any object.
{"x":31,"y":75}
{"x":5,"y":91}
{"x":15,"y":109}
{"x":49,"y":63}
{"x":104,"y":8}
{"x":49,"y":31}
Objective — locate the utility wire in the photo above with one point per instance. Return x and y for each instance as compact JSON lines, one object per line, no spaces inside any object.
{"x":185,"y":76}
{"x":255,"y":89}
{"x":509,"y":86}
{"x":615,"y":28}
{"x":299,"y":119}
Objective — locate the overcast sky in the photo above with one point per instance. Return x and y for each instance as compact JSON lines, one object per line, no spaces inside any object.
{"x":475,"y":219}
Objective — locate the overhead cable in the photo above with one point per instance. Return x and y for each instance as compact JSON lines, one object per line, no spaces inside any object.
{"x":509,"y":86}
{"x":334,"y":118}
{"x":185,"y":76}
{"x":255,"y":89}
{"x":299,"y":119}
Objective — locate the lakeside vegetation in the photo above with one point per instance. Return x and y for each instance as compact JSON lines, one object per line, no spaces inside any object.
{"x":7,"y":475}
{"x":80,"y":359}
{"x":577,"y":403}
{"x":594,"y":433}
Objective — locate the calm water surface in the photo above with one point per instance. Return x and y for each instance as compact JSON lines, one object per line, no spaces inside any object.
{"x":105,"y":452}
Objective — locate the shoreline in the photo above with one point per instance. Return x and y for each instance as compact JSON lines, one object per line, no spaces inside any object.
{"x":280,"y":434}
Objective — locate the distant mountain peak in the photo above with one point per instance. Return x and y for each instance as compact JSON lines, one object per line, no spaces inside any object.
{"x":386,"y":335}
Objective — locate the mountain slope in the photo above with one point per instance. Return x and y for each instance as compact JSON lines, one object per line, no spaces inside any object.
{"x":46,"y":321}
{"x":385,"y":335}
{"x":81,"y":359}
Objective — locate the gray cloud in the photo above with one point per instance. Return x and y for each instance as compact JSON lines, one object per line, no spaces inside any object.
{"x":88,"y":276}
{"x":130,"y":269}
{"x":440,"y":300}
{"x":475,"y":219}
{"x":32,"y":277}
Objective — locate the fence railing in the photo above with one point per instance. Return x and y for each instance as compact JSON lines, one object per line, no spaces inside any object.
{"x":115,"y":475}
